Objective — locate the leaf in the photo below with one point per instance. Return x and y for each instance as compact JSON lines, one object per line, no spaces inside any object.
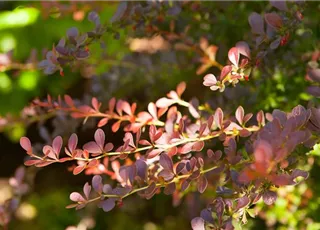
{"x":197,"y":223}
{"x":261,"y":118}
{"x":218,"y":117}
{"x":72,"y":32}
{"x":166,"y":162}
{"x":242,"y":202}
{"x":152,"y":110}
{"x":77,"y":170}
{"x":198,"y":146}
{"x":180,"y":167}
{"x":211,"y":81}
{"x":142,"y":169}
{"x":103,"y":122}
{"x":87,"y":190}
{"x":108,"y":205}
{"x":68,"y":99}
{"x":92,"y":147}
{"x":314,"y":74}
{"x":280,"y":5}
{"x":76,"y":197}
{"x":122,"y":7}
{"x":166,"y":174}
{"x":225,"y":71}
{"x":185,"y":185}
{"x":181,"y":88}
{"x":206,"y":214}
{"x":269,"y":197}
{"x":56,"y":145}
{"x":240,"y":114}
{"x":202,"y":183}
{"x":97,"y":183}
{"x":95,"y":104}
{"x":256,"y":23}
{"x":273,"y":20}
{"x":164,"y":102}
{"x":243,"y":49}
{"x":170,"y":188}
{"x":26,"y":144}
{"x":234,"y":56}
{"x":99,"y":137}
{"x":275,"y":44}
{"x":72,"y":143}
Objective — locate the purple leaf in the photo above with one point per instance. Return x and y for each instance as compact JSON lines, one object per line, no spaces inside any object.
{"x":314,"y":90}
{"x":242,"y":202}
{"x":197,"y":223}
{"x":166,"y":174}
{"x":73,"y":32}
{"x":122,"y":7}
{"x":97,"y":183}
{"x":107,"y":189}
{"x":108,"y":205}
{"x":142,"y":169}
{"x":206,"y":214}
{"x":280,"y":5}
{"x":256,"y":23}
{"x":274,"y":45}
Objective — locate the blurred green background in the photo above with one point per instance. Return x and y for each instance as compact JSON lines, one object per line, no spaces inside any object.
{"x":28,"y":29}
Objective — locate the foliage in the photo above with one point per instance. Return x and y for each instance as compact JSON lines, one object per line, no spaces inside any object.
{"x":235,"y":159}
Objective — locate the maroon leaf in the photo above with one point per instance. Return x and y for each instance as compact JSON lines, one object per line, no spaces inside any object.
{"x":166,"y":162}
{"x":242,"y":202}
{"x":197,"y":223}
{"x":269,"y":197}
{"x":185,"y":185}
{"x":180,"y":167}
{"x":170,"y":188}
{"x":273,"y":20}
{"x":202,"y":184}
{"x":234,"y":56}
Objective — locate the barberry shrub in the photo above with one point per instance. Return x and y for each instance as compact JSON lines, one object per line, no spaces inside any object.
{"x":177,"y":146}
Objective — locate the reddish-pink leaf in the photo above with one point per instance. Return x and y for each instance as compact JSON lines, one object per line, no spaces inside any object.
{"x":218,"y":117}
{"x":186,"y":148}
{"x":164,"y":102}
{"x":68,"y":100}
{"x":260,"y":118}
{"x":198,"y":146}
{"x":169,"y":189}
{"x":202,"y":184}
{"x":115,"y":127}
{"x":112,"y":103}
{"x":181,"y":88}
{"x":225,"y":71}
{"x":43,"y":163}
{"x":99,"y":137}
{"x":234,"y":56}
{"x":273,"y":20}
{"x":56,"y":145}
{"x":77,"y":197}
{"x":71,"y":206}
{"x":103,"y":122}
{"x":95,"y":103}
{"x":240,"y":114}
{"x":72,"y":143}
{"x":247,"y":117}
{"x":77,"y":170}
{"x":153,"y":153}
{"x":93,"y":163}
{"x":108,"y":147}
{"x":25,"y":144}
{"x":31,"y":162}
